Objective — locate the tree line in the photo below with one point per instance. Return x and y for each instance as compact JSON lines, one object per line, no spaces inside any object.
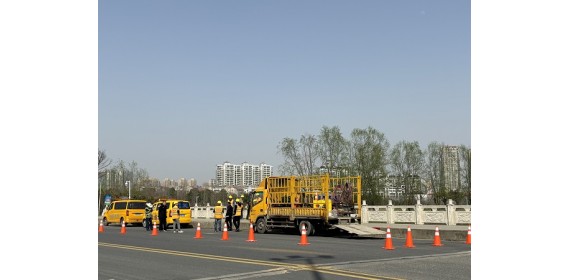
{"x":367,"y":153}
{"x":419,"y":174}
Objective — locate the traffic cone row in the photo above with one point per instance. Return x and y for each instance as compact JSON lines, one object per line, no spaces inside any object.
{"x":303,"y":236}
{"x":198,"y":232}
{"x":410,"y":243}
{"x":388,"y":245}
{"x":251,"y":238}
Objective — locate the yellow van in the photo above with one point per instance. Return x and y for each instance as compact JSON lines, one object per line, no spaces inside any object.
{"x":183,"y":206}
{"x":130,"y":211}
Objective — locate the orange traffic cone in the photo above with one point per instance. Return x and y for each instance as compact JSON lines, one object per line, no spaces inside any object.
{"x":251,"y":238}
{"x":101,"y":229}
{"x":388,"y":244}
{"x":409,"y":239}
{"x":303,"y":236}
{"x":468,"y":240}
{"x":123,"y":228}
{"x":154,"y":230}
{"x":436,"y":238}
{"x":225,"y":235}
{"x":198,"y":232}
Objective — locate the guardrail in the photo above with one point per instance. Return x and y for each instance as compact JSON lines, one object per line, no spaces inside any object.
{"x":418,"y":214}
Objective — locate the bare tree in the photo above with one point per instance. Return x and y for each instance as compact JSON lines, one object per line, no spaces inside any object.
{"x":434,"y":172}
{"x":104,"y":162}
{"x":290,"y":151}
{"x":465,"y":171}
{"x":407,"y":163}
{"x":370,"y":149}
{"x":332,"y":148}
{"x":309,"y":148}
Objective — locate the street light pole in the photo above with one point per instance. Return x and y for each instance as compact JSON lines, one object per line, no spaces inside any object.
{"x":128,"y":184}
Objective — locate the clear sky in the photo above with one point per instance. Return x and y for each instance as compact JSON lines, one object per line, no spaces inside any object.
{"x":186,"y":85}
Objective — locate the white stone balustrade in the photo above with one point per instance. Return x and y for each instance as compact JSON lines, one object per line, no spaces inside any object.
{"x":418,"y":214}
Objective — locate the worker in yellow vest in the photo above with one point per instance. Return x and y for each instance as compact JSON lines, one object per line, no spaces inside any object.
{"x":218,"y":216}
{"x":175,"y":213}
{"x":237,"y":213}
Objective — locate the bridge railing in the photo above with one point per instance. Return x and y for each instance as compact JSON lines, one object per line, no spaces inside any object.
{"x":418,"y":214}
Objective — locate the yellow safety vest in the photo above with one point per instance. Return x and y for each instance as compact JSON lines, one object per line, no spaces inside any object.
{"x":174,"y":212}
{"x":238,"y":210}
{"x":218,"y":212}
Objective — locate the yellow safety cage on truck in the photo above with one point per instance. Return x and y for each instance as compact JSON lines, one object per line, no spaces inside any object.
{"x":316,"y":202}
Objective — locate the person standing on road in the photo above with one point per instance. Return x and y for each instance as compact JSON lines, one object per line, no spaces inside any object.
{"x":148,"y":216}
{"x":218,"y":215}
{"x":231,"y":200}
{"x":229,"y":214}
{"x":175,"y":212}
{"x":162,"y":216}
{"x":237,"y":214}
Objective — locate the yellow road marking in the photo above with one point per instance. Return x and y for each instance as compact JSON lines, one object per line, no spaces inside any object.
{"x":290,"y":266}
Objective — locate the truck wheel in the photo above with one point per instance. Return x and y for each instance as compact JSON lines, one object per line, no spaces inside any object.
{"x":260,"y":226}
{"x":308,"y":227}
{"x":105,"y":222}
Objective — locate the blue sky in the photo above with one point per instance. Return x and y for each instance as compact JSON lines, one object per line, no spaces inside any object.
{"x":186,"y":85}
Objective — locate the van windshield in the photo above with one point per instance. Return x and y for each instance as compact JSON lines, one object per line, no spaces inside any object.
{"x":137,"y":205}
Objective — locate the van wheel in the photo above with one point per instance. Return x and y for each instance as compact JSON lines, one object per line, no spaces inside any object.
{"x":121,"y":222}
{"x":105,"y":222}
{"x":144,"y":223}
{"x":308,"y":227}
{"x":260,"y":226}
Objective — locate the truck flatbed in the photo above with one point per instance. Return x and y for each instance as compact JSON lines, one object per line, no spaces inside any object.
{"x":361,"y":230}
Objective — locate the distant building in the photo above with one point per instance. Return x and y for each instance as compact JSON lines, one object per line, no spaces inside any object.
{"x":451,"y":167}
{"x":245,"y":174}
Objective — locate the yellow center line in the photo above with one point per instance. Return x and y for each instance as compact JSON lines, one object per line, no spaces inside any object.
{"x":290,"y":266}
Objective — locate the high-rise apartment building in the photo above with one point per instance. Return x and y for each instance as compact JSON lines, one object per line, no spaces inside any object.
{"x":266,"y":171}
{"x":228,"y":174}
{"x":451,"y":167}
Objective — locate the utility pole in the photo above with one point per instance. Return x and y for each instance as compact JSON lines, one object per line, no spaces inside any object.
{"x":128,"y":184}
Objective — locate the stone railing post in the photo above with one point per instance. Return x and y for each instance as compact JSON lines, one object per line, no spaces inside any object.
{"x":208,"y":211}
{"x":364,"y":212}
{"x":390,"y":212}
{"x":450,"y":213}
{"x":419,"y":213}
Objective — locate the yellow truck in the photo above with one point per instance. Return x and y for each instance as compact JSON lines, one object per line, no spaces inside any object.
{"x":316,"y":202}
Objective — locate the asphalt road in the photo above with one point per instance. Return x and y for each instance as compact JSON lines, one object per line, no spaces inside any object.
{"x":139,"y":255}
